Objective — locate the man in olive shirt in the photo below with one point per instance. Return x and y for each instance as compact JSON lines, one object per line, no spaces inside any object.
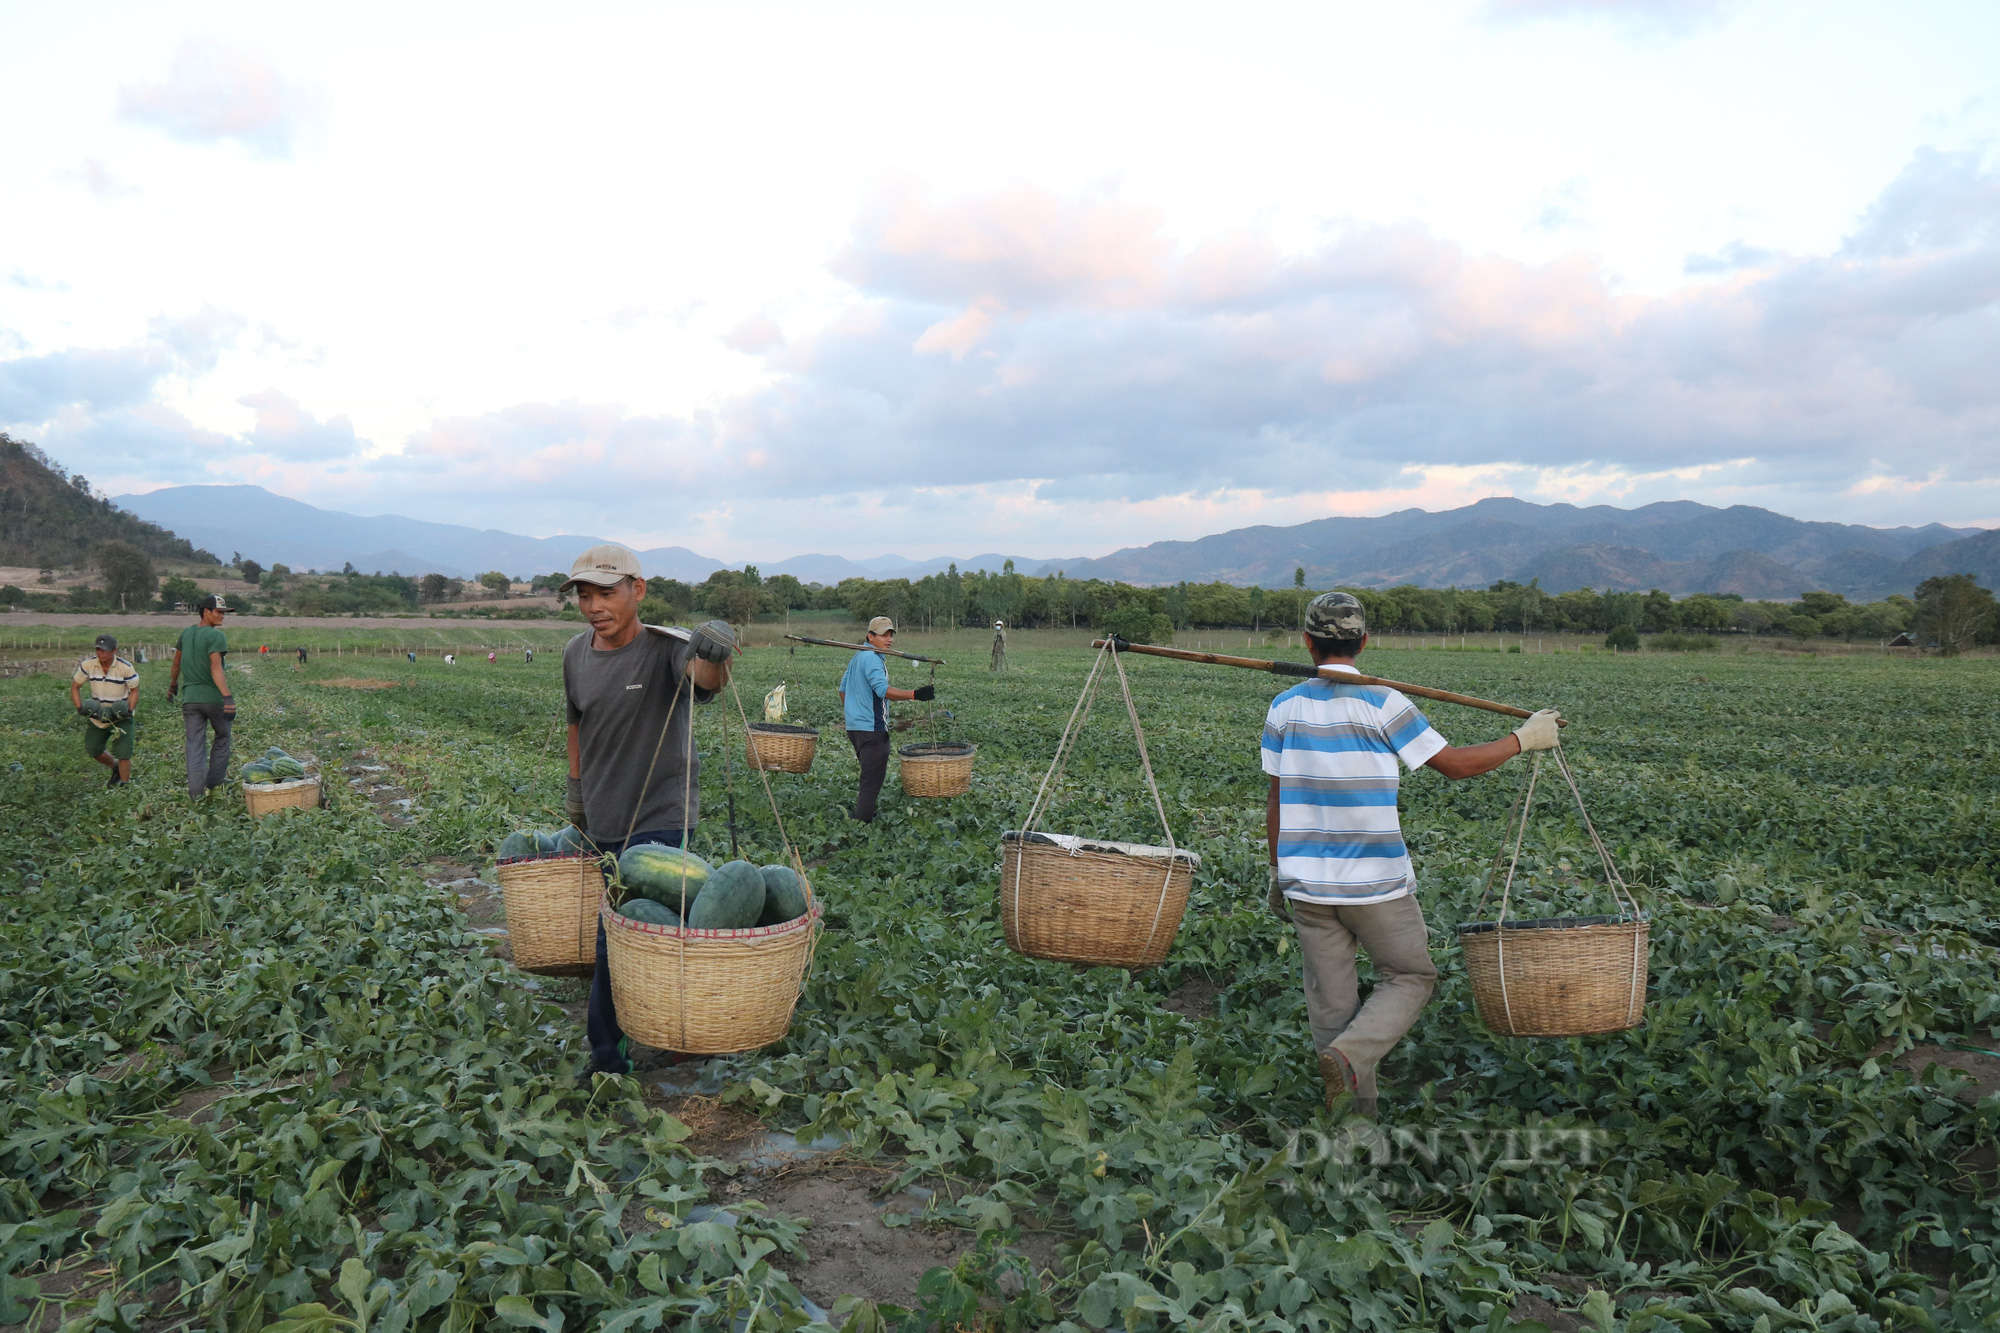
{"x":205,"y":699}
{"x":630,"y":691}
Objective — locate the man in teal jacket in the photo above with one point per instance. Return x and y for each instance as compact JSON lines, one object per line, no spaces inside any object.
{"x":864,"y":696}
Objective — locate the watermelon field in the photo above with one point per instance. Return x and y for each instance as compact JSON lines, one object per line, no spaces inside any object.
{"x":281,"y":1074}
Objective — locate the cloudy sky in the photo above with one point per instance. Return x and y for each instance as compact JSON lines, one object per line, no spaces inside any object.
{"x":763,"y":279}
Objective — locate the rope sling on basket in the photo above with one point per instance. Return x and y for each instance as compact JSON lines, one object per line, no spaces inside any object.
{"x":1560,"y":977}
{"x":707,"y":992}
{"x":1080,"y":900}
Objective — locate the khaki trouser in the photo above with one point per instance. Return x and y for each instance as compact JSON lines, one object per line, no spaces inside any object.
{"x":1398,"y":944}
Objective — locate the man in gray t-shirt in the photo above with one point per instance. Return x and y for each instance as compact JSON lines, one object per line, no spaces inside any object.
{"x":624,"y":685}
{"x":619,"y":701}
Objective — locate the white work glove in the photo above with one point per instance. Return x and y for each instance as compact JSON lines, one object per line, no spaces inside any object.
{"x":1538,"y":732}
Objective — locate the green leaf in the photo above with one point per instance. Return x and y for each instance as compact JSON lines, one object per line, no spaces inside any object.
{"x":16,"y":1293}
{"x":519,"y":1312}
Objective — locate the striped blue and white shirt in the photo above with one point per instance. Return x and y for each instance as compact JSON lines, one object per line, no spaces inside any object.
{"x":1333,"y":749}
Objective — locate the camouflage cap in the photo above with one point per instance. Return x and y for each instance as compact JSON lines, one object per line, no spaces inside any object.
{"x":1335,"y":615}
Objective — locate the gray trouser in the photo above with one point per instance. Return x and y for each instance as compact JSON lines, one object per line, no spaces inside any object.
{"x":1398,"y":943}
{"x":205,"y":767}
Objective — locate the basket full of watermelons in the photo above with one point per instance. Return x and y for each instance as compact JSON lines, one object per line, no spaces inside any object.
{"x":726,"y":977}
{"x":277,"y":781}
{"x":551,"y":884}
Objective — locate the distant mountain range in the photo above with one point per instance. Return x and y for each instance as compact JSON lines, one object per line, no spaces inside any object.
{"x":1680,"y":546}
{"x":276,"y":530}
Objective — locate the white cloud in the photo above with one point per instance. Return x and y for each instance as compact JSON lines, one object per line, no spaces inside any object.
{"x":214,"y":93}
{"x":1168,"y":272}
{"x":288,"y":432}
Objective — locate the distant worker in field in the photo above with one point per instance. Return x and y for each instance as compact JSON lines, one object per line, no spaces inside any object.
{"x":302,"y":656}
{"x":1340,"y":872}
{"x":206,"y":703}
{"x":999,"y":662}
{"x":109,"y":718}
{"x":864,"y":698}
{"x":527,"y":656}
{"x":630,"y":691}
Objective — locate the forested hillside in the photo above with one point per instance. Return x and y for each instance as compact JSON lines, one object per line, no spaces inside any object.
{"x":49,"y":518}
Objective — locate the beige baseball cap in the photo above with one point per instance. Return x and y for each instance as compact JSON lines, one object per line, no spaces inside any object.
{"x":881,"y":625}
{"x":604,"y":566}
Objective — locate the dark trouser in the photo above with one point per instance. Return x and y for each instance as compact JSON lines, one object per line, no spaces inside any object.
{"x":205,"y":767}
{"x":872,"y":749}
{"x":117,"y":739}
{"x":607,"y":1039}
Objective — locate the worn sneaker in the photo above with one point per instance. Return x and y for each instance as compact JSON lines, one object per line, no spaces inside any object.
{"x":1338,"y":1075}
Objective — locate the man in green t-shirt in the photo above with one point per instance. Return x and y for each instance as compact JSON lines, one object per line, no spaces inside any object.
{"x":205,"y":699}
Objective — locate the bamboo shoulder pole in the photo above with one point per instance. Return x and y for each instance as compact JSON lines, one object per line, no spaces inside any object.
{"x":858,"y":647}
{"x":1304,"y":672}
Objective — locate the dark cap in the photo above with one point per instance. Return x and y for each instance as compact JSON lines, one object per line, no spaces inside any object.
{"x":107,"y":642}
{"x":212,"y":602}
{"x":1335,"y":615}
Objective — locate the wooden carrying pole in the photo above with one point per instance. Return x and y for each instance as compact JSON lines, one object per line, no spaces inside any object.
{"x":1306,"y":672}
{"x":858,"y":647}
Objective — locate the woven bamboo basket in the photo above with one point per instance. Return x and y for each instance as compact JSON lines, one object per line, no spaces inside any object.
{"x":1565,"y":977}
{"x":708,"y":992}
{"x":936,"y":768}
{"x":1086,"y":901}
{"x":780,"y":747}
{"x":267,"y":798}
{"x":552,"y":912}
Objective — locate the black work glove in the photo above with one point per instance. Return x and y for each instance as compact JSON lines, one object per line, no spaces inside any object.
{"x":573,"y":802}
{"x":713,"y":641}
{"x":173,"y":692}
{"x":229,"y":705}
{"x":926,"y":693}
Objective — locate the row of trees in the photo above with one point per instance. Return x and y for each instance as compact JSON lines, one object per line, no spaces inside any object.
{"x":1952,"y":612}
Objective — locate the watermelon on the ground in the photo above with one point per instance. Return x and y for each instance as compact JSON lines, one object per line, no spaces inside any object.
{"x":784,"y":896}
{"x":732,"y":899}
{"x":652,"y":913}
{"x":662,"y":873}
{"x":519,"y":843}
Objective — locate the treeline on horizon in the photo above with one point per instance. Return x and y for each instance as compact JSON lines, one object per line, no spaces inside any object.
{"x":1154,"y":614}
{"x":1951,"y":613}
